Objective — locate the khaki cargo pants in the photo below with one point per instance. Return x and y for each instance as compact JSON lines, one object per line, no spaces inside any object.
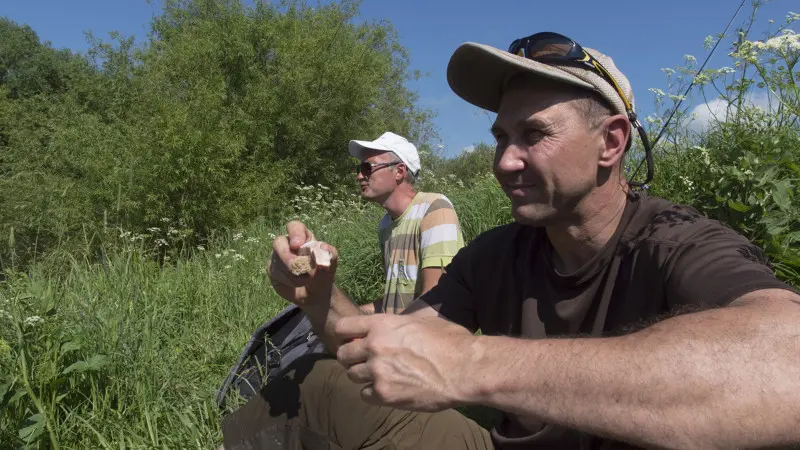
{"x":315,"y":406}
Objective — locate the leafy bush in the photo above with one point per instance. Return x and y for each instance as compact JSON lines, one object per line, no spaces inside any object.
{"x":743,"y":169}
{"x":224,"y":110}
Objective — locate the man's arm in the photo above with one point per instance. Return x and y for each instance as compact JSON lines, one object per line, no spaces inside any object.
{"x":314,"y":292}
{"x":722,"y":378}
{"x":430,"y":277}
{"x":323,"y":317}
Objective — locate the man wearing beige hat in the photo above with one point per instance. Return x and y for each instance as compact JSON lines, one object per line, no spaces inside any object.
{"x":609,"y":319}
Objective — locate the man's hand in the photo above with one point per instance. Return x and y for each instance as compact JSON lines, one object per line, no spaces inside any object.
{"x":312,"y":288}
{"x":408,"y":362}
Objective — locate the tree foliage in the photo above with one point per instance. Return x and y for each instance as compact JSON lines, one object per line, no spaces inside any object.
{"x":208,"y":124}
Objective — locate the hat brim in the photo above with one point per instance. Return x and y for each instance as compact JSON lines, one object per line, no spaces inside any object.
{"x":357,"y":148}
{"x":477,"y":73}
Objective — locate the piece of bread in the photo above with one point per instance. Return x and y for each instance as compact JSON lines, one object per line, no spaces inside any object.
{"x":310,"y":255}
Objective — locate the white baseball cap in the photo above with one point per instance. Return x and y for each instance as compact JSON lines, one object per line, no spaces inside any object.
{"x":389,"y":142}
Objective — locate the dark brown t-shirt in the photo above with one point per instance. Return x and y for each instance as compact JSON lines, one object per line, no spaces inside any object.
{"x":663,"y":260}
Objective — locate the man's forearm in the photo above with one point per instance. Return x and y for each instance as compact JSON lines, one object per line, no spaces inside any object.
{"x":726,"y":378}
{"x":324,"y":315}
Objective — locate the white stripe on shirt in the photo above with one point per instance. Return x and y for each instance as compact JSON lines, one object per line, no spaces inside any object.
{"x":439,"y":233}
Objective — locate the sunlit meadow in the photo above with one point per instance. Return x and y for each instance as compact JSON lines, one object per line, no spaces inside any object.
{"x":123,"y":344}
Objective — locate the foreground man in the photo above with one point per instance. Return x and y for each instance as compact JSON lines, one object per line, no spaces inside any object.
{"x":610,"y":319}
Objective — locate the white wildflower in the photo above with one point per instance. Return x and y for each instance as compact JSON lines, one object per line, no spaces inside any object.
{"x":668,"y":71}
{"x":154,"y":229}
{"x":124,"y":234}
{"x":658,"y":92}
{"x":217,"y":255}
{"x":161,"y":242}
{"x":33,"y":320}
{"x":237,"y":236}
{"x":272,"y":235}
{"x":653,"y":119}
{"x":173,"y":231}
{"x":238,"y":257}
{"x":709,"y":42}
{"x":786,"y":45}
{"x":726,"y":70}
{"x":690,"y":59}
{"x":701,"y":79}
{"x":227,"y":267}
{"x":704,"y":153}
{"x":252,"y":240}
{"x":201,"y":248}
{"x":165,"y":219}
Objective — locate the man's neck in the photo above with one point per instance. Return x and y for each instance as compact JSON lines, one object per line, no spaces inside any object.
{"x":398,"y":202}
{"x":598,"y":217}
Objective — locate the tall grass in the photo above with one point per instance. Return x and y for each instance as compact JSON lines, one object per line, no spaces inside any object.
{"x":129,"y":353}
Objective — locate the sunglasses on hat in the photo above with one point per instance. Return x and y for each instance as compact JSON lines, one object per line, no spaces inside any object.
{"x":548,"y":47}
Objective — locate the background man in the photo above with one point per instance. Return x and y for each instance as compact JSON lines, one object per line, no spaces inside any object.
{"x":420,"y":233}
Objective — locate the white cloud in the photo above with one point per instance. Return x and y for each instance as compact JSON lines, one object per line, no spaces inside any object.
{"x":717,"y":110}
{"x":468,"y":149}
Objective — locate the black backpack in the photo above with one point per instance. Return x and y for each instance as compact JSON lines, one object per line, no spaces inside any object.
{"x":272,"y":347}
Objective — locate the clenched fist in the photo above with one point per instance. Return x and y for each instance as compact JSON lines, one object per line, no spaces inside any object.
{"x":408,"y":362}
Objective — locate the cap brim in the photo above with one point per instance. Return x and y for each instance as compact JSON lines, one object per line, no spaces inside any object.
{"x":477,"y":73}
{"x":356,"y":148}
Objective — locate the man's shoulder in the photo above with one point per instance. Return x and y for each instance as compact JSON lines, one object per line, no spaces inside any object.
{"x":434,"y":200}
{"x":661,"y":222}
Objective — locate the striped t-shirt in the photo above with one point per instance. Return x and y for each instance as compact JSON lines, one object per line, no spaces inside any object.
{"x":427,"y":234}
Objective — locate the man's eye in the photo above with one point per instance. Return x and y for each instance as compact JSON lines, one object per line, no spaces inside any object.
{"x":533,"y":136}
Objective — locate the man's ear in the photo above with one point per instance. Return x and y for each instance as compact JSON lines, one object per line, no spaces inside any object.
{"x":617,"y":131}
{"x":400,"y":173}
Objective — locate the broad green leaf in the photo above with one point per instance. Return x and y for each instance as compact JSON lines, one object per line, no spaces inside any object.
{"x":94,"y":363}
{"x":31,"y":432}
{"x":738,"y":206}
{"x":782,"y":195}
{"x":70,"y":346}
{"x":80,"y":366}
{"x":4,"y":388}
{"x":97,"y":362}
{"x":17,"y":395}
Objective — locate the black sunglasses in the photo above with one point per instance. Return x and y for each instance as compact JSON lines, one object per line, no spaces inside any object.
{"x":366,"y":168}
{"x":549,"y":47}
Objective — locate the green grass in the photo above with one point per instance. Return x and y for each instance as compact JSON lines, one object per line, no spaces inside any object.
{"x":129,"y":354}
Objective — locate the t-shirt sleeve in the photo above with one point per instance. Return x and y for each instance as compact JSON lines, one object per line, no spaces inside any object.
{"x":454,"y":295}
{"x":440,"y":235}
{"x":715,"y":266}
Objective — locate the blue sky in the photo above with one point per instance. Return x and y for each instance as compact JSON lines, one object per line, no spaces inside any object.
{"x":641,"y":36}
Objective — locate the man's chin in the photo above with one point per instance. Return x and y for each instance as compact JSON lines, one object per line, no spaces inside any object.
{"x":532,"y":215}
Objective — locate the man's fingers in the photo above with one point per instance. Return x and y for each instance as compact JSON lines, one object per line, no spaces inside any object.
{"x":352,"y":353}
{"x":298,"y":234}
{"x":360,"y":373}
{"x":352,"y":327}
{"x":281,"y":250}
